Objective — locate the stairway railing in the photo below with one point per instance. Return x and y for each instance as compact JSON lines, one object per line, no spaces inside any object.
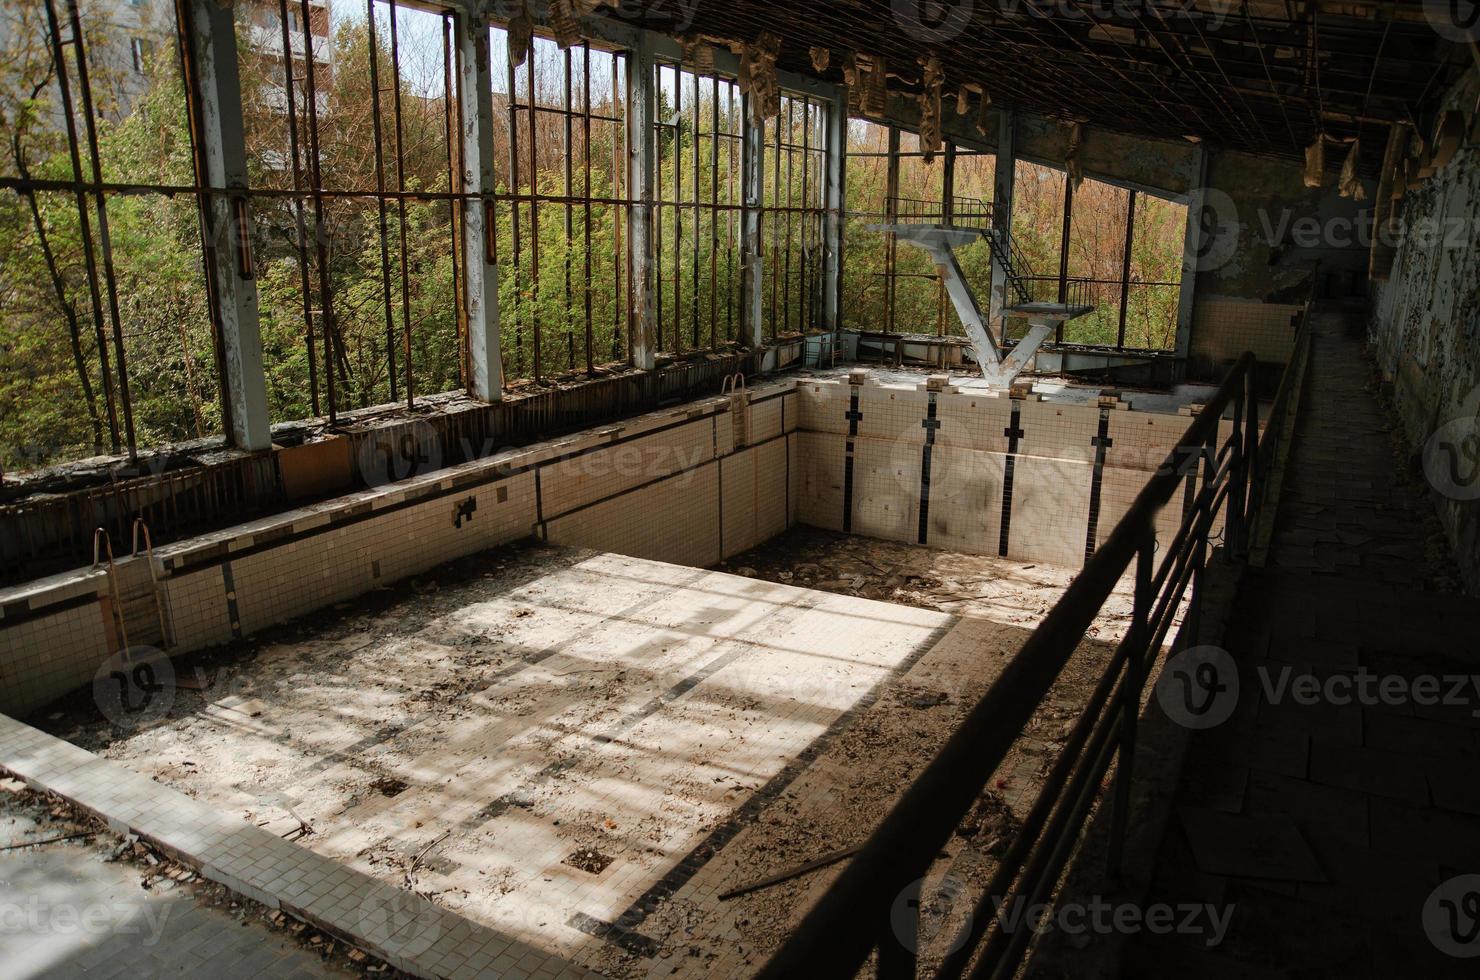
{"x":970,"y":212}
{"x":874,"y":904}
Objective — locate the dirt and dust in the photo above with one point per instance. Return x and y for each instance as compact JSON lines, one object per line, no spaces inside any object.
{"x":377,"y":731}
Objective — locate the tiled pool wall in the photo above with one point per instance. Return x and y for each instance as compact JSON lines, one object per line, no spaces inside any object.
{"x":692,"y":485}
{"x":975,"y":472}
{"x":695,"y":484}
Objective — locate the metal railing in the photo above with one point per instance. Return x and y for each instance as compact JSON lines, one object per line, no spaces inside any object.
{"x":874,"y":903}
{"x":971,"y":212}
{"x":1053,"y":289}
{"x":1273,"y":442}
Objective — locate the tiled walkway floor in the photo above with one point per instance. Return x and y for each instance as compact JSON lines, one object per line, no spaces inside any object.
{"x":68,"y":913}
{"x":1385,"y":797}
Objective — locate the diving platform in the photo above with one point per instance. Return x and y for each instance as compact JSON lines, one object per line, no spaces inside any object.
{"x":940,"y":240}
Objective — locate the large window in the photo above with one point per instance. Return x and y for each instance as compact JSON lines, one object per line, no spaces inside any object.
{"x":894,"y":288}
{"x":792,"y":216}
{"x":696,"y":224}
{"x":1038,"y":224}
{"x":1154,"y":284}
{"x":120,"y":262}
{"x":350,"y":122}
{"x":1116,"y":249}
{"x":562,"y":207}
{"x":106,"y":337}
{"x":868,"y":255}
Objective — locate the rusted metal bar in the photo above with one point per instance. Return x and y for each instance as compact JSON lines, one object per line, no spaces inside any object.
{"x":891,"y":244}
{"x":105,"y":240}
{"x":534,"y":222}
{"x":300,"y":247}
{"x":378,"y":135}
{"x":621,"y":260}
{"x":805,"y":288}
{"x":515,"y":237}
{"x":190,"y":76}
{"x":694,"y":301}
{"x":586,"y":166}
{"x":775,"y":251}
{"x":24,"y":185}
{"x":677,"y":211}
{"x":321,"y":247}
{"x":1064,"y":251}
{"x":831,"y":858}
{"x":1125,"y":266}
{"x":714,"y":212}
{"x":731,"y":214}
{"x":657,"y":183}
{"x":84,"y":224}
{"x":451,"y":134}
{"x":568,"y":118}
{"x":401,"y":207}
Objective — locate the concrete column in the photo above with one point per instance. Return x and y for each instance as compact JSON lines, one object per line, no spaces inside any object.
{"x":1003,"y":182}
{"x":837,"y":144}
{"x":480,"y":274}
{"x":1192,"y":249}
{"x":751,"y":262}
{"x":213,"y":43}
{"x":642,"y":151}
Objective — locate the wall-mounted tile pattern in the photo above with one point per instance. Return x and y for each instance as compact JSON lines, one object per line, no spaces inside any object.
{"x":1035,"y":480}
{"x":675,"y":520}
{"x":886,"y":489}
{"x":891,"y":413}
{"x":1050,"y":510}
{"x":45,"y":657}
{"x":1223,"y":329}
{"x":818,"y":464}
{"x":822,"y":406}
{"x":648,"y":487}
{"x":965,"y":500}
{"x":975,"y":421}
{"x":1058,"y":431}
{"x":597,"y":474}
{"x":737,"y":495}
{"x":690,"y":485}
{"x":766,"y":418}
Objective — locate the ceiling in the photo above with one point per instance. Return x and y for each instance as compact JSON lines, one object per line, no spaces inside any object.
{"x":1265,"y":77}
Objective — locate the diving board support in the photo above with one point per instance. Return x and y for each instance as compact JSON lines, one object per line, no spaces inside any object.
{"x":1003,"y":373}
{"x":939,"y":241}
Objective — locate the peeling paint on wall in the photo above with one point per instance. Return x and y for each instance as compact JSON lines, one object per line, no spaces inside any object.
{"x":1286,"y":234}
{"x":1425,"y":329}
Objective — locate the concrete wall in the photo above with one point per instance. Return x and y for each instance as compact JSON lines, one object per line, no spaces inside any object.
{"x":1104,"y":154}
{"x":1425,"y":330}
{"x":1271,"y":245}
{"x":1222,"y":329}
{"x":1274,"y":235}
